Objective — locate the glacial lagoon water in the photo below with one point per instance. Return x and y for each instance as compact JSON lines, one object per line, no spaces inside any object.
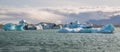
{"x":52,"y":41}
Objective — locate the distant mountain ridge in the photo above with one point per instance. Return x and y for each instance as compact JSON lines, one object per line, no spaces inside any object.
{"x":113,"y":20}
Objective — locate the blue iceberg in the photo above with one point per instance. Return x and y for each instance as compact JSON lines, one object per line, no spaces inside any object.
{"x":20,"y":27}
{"x":13,"y":27}
{"x":105,"y":29}
{"x":9,"y":27}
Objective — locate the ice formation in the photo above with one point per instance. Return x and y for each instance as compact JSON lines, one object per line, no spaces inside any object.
{"x":21,"y":26}
{"x":76,"y":27}
{"x":9,"y":27}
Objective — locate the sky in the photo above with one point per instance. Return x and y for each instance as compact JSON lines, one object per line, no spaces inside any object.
{"x":15,"y":10}
{"x":58,"y":3}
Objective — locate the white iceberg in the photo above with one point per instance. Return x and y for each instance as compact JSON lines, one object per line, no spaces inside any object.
{"x":38,"y":27}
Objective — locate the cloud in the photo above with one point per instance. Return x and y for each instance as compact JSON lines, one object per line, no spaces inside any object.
{"x":39,"y":3}
{"x":29,"y":14}
{"x":56,"y":15}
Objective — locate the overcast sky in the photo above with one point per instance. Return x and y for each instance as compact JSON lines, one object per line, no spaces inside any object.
{"x":13,"y":13}
{"x":58,"y":3}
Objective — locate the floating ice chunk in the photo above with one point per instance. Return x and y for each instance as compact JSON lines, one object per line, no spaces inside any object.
{"x":22,"y":22}
{"x":19,"y":27}
{"x":9,"y":27}
{"x":105,"y":29}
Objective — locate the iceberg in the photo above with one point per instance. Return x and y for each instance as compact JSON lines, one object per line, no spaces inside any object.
{"x":38,"y":27}
{"x":19,"y":27}
{"x":9,"y":27}
{"x":13,"y":27}
{"x":105,"y":29}
{"x":76,"y":24}
{"x":22,"y":22}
